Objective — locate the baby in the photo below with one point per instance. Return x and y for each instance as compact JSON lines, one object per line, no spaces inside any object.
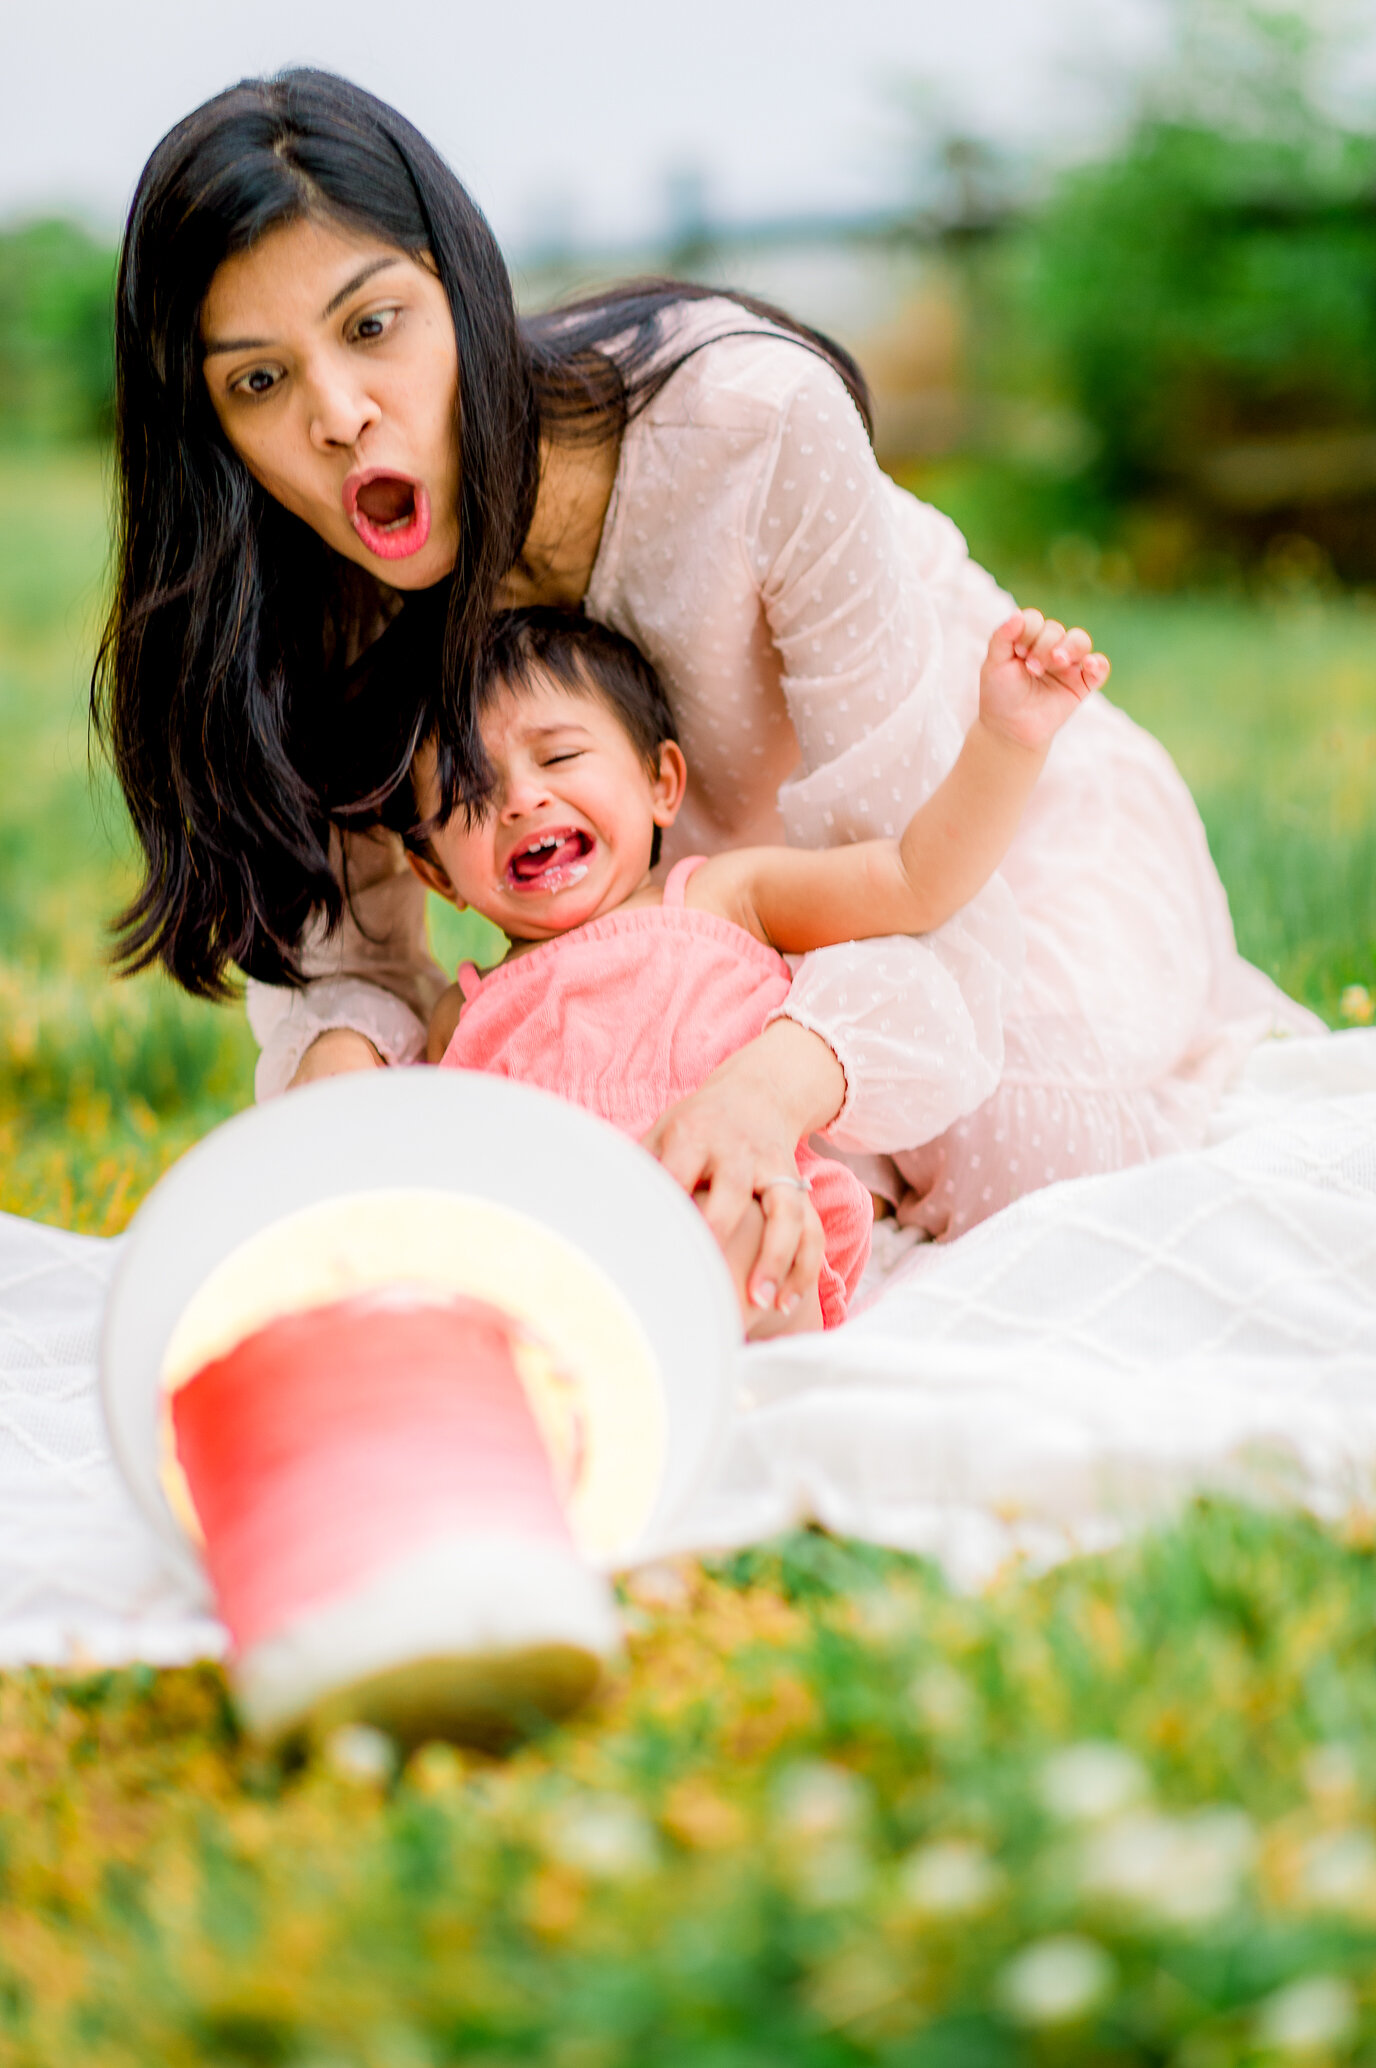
{"x":623,"y":996}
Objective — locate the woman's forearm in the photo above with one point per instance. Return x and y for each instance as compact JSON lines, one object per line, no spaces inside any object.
{"x":373,"y":976}
{"x":796,"y":1071}
{"x":335,"y":1053}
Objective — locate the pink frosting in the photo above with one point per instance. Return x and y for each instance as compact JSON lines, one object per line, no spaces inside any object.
{"x":330,"y":1443}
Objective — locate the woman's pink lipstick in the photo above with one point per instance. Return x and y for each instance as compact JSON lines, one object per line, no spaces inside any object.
{"x":389,"y":511}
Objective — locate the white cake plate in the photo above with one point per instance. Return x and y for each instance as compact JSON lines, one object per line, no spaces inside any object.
{"x":469,"y":1135}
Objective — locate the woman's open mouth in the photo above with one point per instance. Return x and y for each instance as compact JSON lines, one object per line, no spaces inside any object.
{"x":550,"y":861}
{"x":390,"y":512}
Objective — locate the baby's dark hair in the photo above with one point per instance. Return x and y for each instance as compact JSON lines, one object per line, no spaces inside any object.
{"x":582,"y":656}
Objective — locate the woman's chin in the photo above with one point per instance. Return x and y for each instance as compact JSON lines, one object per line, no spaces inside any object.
{"x":419,"y":570}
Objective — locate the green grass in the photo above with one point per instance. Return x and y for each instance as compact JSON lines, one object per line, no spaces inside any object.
{"x":102,"y":1085}
{"x":826,"y":1813}
{"x":1265,"y":694}
{"x":1270,"y":710}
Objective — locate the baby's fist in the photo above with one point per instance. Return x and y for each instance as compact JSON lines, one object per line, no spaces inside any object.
{"x":1035,"y":675}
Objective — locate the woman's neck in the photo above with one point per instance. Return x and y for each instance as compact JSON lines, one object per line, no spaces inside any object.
{"x":561,"y":546}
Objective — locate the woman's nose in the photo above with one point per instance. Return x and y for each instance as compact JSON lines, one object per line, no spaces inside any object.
{"x":340,"y":411}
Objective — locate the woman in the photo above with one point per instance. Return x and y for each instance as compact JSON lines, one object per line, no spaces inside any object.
{"x":341,"y":452}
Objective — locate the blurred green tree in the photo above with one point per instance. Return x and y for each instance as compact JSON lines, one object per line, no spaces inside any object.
{"x":1213,"y":281}
{"x":56,"y":334}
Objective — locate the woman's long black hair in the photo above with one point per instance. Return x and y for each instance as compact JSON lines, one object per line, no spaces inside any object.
{"x":223,"y":689}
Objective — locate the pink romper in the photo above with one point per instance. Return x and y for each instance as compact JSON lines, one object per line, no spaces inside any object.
{"x":629,"y":1014}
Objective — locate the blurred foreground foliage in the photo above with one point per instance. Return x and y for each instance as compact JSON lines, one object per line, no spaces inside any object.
{"x":826,"y":1814}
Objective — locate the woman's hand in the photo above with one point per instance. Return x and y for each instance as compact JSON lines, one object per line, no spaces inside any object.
{"x":334,"y":1054}
{"x":741,"y":1128}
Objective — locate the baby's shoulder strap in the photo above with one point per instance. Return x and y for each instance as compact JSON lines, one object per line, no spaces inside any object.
{"x":677,"y":878}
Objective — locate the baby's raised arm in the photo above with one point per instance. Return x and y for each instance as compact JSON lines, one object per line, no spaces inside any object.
{"x":1035,"y":675}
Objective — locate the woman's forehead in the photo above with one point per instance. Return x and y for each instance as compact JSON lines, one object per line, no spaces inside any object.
{"x":296,"y":272}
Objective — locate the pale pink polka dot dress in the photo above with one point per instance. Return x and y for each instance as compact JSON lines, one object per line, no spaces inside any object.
{"x":820,"y":633}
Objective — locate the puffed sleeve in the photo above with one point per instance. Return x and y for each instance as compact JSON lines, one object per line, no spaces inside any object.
{"x":881,"y":621}
{"x":375,"y":974}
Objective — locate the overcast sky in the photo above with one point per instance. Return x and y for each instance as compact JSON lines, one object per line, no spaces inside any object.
{"x":576,"y":114}
{"x":560,"y":114}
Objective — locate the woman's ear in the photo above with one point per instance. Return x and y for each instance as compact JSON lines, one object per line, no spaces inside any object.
{"x":670,"y":784}
{"x":434,"y":878}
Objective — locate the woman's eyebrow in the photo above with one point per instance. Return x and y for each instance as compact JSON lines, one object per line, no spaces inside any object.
{"x":233,"y":344}
{"x":377,"y":265}
{"x":336,"y":301}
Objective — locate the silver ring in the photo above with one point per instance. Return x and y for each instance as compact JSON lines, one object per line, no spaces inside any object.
{"x":798,"y":1184}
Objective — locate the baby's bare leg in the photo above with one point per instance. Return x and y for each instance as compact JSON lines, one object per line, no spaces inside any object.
{"x":740,"y":1252}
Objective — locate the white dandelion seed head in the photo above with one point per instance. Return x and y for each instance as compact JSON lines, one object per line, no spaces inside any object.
{"x":603,"y":1836}
{"x":952,"y":1877}
{"x":361,"y":1752}
{"x":660,"y":1586}
{"x":1055,"y":1981}
{"x":1338,"y":1871}
{"x":1330,"y":1775}
{"x":1309,"y":2016}
{"x":814,"y":1799}
{"x":941,"y":1696}
{"x":1183,"y":1870}
{"x":1092,"y":1780}
{"x":885,"y":1613}
{"x":834,"y":1874}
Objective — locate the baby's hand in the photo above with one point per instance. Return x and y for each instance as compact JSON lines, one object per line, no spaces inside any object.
{"x":1035,"y":676}
{"x":443,"y":1020}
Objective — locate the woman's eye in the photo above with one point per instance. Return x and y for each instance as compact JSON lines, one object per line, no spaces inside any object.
{"x":374,"y":325}
{"x":261,"y":381}
{"x":553,"y":760}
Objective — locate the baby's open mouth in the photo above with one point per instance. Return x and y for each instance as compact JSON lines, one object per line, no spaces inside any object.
{"x":390,"y":512}
{"x":550,"y":861}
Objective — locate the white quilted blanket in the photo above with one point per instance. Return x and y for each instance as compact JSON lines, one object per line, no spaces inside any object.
{"x":1081,"y":1362}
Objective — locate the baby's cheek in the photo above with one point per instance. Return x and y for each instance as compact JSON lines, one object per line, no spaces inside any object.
{"x":471,"y":870}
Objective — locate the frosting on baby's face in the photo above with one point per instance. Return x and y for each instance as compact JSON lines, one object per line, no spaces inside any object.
{"x":567,"y":833}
